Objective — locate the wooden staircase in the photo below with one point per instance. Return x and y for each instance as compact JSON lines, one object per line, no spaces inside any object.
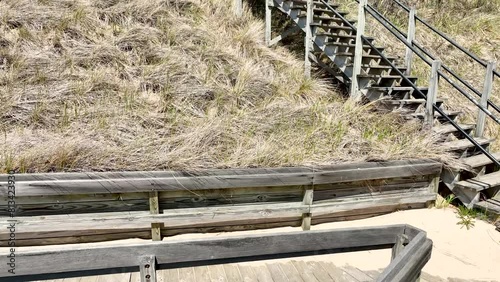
{"x":334,"y":42}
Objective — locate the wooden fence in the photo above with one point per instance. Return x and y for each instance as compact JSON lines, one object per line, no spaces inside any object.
{"x":60,"y":208}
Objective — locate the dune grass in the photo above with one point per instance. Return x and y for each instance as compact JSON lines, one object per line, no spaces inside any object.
{"x":93,"y":85}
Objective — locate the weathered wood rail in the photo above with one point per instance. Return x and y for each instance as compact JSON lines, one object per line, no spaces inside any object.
{"x":60,"y":208}
{"x":411,"y":251}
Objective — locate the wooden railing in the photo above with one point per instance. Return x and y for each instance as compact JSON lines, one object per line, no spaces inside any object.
{"x":60,"y":208}
{"x":411,"y":251}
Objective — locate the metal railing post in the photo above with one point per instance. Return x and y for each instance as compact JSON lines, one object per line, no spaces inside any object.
{"x":238,"y":7}
{"x":308,"y":40}
{"x":358,"y":52}
{"x":432,"y":93}
{"x":268,"y":23}
{"x":488,"y":86}
{"x":410,"y":37}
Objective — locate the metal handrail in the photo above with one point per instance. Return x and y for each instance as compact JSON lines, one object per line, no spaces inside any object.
{"x":453,"y":42}
{"x":478,"y":93}
{"x":400,"y":73}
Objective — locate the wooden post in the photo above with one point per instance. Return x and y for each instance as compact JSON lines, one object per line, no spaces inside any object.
{"x":433,"y":188}
{"x":410,"y":38}
{"x":488,"y":85}
{"x":398,"y":246}
{"x":308,"y":200}
{"x":154,"y":208}
{"x":238,"y":7}
{"x":147,"y":268}
{"x":268,"y":23}
{"x":432,"y":94}
{"x":358,"y":53}
{"x":308,"y":39}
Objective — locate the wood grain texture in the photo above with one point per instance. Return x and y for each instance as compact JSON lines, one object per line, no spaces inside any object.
{"x":134,"y":182}
{"x":201,"y":250}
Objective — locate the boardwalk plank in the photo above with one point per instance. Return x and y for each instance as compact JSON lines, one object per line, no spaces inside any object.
{"x":186,"y":274}
{"x":291,"y":272}
{"x":217,"y":273}
{"x":202,"y":274}
{"x":305,"y":272}
{"x":247,"y":273}
{"x":338,"y":274}
{"x":263,"y":274}
{"x":170,"y":275}
{"x":318,"y":271}
{"x":357,"y":273}
{"x":276,"y":272}
{"x":232,"y":272}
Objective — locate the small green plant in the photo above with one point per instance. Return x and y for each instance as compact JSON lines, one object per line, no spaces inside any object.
{"x":443,"y":203}
{"x":466,"y":217}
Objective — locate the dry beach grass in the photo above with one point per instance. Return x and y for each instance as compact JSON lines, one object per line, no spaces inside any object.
{"x":145,"y":85}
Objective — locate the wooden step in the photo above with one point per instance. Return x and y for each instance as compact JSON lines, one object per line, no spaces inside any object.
{"x":403,"y":101}
{"x":480,"y":160}
{"x":448,"y":128}
{"x":465,"y":143}
{"x":331,"y":27}
{"x":482,"y":182}
{"x":490,"y":206}
{"x":451,"y":114}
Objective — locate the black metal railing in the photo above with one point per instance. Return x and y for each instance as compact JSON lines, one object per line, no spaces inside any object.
{"x":370,"y":10}
{"x":457,"y":77}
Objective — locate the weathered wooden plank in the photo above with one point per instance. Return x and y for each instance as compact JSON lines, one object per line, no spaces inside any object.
{"x":263,"y":274}
{"x":250,"y":246}
{"x":323,"y":209}
{"x":170,"y":275}
{"x":306,"y":272}
{"x":147,"y":268}
{"x":481,"y":182}
{"x":318,"y":271}
{"x":337,"y":274}
{"x":217,"y":273}
{"x":247,"y":273}
{"x":232,"y":272}
{"x":202,"y":273}
{"x":74,"y":225}
{"x":154,"y":208}
{"x":357,"y":273}
{"x":291,"y":272}
{"x":172,"y":181}
{"x":276,"y":273}
{"x":407,"y":266}
{"x":186,"y":274}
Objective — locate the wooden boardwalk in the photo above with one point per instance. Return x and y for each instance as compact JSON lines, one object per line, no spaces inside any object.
{"x":283,"y":271}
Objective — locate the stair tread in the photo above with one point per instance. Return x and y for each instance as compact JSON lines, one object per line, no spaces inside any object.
{"x":403,"y":101}
{"x":465,"y":143}
{"x":365,"y":56}
{"x":385,"y":76}
{"x":481,"y":182}
{"x":490,"y":205}
{"x":343,"y":44}
{"x":448,"y":128}
{"x":479,"y":160}
{"x":331,"y":26}
{"x":397,"y":88}
{"x":448,"y":113}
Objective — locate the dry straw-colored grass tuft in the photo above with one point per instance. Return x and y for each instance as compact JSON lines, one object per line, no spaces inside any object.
{"x":139,"y":85}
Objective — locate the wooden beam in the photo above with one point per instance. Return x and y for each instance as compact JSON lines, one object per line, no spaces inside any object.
{"x":308,"y":43}
{"x":358,"y":53}
{"x":249,"y":247}
{"x":268,"y":23}
{"x":411,"y":36}
{"x":147,"y":268}
{"x":432,"y":93}
{"x":307,"y":201}
{"x":95,"y":183}
{"x":399,"y":246}
{"x":154,"y":208}
{"x":284,"y":35}
{"x":409,"y":263}
{"x":488,"y":85}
